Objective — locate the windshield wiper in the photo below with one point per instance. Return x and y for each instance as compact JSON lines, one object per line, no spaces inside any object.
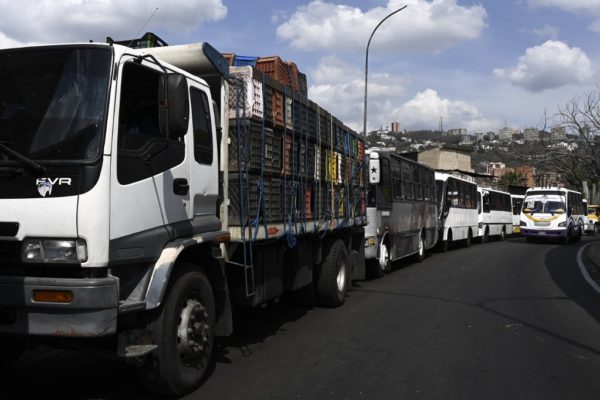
{"x":21,"y":158}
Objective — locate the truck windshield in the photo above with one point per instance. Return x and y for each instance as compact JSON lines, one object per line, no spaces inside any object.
{"x":53,"y":102}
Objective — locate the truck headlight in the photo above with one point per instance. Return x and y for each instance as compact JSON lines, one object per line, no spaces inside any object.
{"x":54,"y":251}
{"x":562,"y":224}
{"x":522,"y":223}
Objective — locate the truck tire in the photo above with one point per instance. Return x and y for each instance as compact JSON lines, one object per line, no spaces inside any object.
{"x":332,"y":281}
{"x":11,"y":349}
{"x":183,"y":328}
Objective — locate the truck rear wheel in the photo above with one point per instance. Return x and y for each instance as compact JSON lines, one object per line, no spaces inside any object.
{"x":183,"y":328}
{"x":332,"y":282}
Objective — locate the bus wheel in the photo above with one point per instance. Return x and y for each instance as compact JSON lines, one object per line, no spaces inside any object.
{"x":567,"y":238}
{"x":184,"y":329}
{"x":384,"y":258}
{"x":445,"y":244}
{"x":578,"y":235}
{"x":502,"y":234}
{"x":420,"y":256}
{"x":486,"y":235}
{"x":332,"y":281}
{"x":468,"y":239}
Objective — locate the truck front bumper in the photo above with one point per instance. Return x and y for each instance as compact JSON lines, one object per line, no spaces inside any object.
{"x":92,"y":311}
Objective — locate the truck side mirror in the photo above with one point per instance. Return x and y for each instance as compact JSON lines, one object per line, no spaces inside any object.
{"x":174,"y":112}
{"x":374,"y":174}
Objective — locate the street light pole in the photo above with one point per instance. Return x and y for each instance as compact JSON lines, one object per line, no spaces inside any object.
{"x":367,"y":67}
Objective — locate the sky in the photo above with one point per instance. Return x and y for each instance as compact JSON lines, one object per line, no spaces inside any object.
{"x":479,"y":65}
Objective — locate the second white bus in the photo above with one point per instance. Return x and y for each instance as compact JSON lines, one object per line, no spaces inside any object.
{"x":457,"y":210}
{"x":495,"y":214}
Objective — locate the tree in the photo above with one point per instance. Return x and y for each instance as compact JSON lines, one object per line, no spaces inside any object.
{"x":514,"y":178}
{"x":577,"y":158}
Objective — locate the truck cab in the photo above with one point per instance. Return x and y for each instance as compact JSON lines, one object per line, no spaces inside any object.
{"x":110,"y":163}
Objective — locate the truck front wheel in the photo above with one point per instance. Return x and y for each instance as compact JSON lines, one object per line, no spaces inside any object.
{"x":11,"y":349}
{"x":183,"y":328}
{"x":332,"y":281}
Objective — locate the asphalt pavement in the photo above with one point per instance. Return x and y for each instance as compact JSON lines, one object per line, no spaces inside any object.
{"x":500,"y":320}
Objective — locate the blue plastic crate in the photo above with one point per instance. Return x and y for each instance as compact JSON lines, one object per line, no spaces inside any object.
{"x":244,"y":61}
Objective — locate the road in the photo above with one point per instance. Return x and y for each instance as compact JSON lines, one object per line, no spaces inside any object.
{"x":504,"y":320}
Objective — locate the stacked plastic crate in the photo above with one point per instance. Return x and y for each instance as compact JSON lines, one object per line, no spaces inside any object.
{"x":298,"y":164}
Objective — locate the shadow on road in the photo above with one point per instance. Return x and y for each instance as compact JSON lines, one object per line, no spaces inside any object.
{"x":563,"y":268}
{"x":75,"y":374}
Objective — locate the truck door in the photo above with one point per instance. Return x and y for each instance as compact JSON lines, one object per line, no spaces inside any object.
{"x":146,"y":197}
{"x":203,"y":161}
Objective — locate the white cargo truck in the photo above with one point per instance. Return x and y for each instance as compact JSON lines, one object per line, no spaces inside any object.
{"x":121,"y":217}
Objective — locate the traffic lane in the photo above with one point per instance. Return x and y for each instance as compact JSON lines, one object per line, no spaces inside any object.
{"x":475,"y":322}
{"x":452,"y":326}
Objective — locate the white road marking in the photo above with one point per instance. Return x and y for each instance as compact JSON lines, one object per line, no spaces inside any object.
{"x":583,"y":269}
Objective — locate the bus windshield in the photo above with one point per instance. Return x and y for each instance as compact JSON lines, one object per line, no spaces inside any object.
{"x":439,"y":189}
{"x":53,"y":102}
{"x":544,"y":203}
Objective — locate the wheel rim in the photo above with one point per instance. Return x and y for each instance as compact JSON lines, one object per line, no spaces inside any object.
{"x":341,"y":277}
{"x":384,"y":257}
{"x":421,"y":246}
{"x":193,"y":332}
{"x":502,"y":234}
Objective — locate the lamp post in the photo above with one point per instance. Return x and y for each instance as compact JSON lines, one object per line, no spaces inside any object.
{"x":367,"y":66}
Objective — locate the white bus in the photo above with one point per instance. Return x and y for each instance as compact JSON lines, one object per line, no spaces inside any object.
{"x":517,"y":203}
{"x":401,"y":210}
{"x":552,"y":213}
{"x":457,"y":210}
{"x":495,"y":214}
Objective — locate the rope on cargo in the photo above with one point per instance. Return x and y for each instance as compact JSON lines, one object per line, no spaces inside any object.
{"x":240,"y":96}
{"x":291,"y":217}
{"x":317,"y":183}
{"x":261,"y":184}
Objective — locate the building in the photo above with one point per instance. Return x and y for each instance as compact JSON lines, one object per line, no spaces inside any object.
{"x":531,"y":135}
{"x":505,"y":133}
{"x":528,"y":173}
{"x":447,"y":158}
{"x":456,"y":132}
{"x":467,"y":139}
{"x":395,"y":127}
{"x":491,"y":166}
{"x":558,"y":134}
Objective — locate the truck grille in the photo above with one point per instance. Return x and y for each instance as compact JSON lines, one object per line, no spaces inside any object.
{"x":9,"y":251}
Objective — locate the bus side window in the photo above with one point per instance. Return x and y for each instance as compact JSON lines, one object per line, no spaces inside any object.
{"x":486,"y":202}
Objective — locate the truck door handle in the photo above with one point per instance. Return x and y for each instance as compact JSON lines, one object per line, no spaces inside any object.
{"x":181,"y":186}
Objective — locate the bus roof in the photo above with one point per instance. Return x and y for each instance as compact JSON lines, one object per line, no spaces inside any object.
{"x":550,"y":189}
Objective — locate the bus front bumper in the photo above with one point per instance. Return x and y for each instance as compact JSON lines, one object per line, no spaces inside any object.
{"x":371,"y":247}
{"x":545,"y":233}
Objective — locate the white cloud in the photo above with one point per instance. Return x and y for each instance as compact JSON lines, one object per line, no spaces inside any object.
{"x":339,"y":88}
{"x":547,"y":32}
{"x":550,"y":65}
{"x":427,"y":26}
{"x":568,"y":5}
{"x":425,"y":109}
{"x":50,"y":21}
